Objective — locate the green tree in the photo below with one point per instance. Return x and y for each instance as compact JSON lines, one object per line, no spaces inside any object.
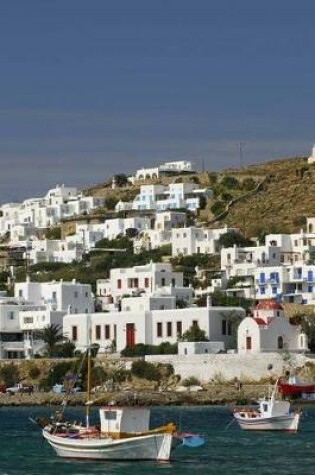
{"x":233,"y":237}
{"x":194,"y":333}
{"x":51,"y":335}
{"x":9,"y":374}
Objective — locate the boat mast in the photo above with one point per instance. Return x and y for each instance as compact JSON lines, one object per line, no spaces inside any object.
{"x":88,"y":390}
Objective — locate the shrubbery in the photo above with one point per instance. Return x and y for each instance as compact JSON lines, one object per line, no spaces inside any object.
{"x":144,"y":370}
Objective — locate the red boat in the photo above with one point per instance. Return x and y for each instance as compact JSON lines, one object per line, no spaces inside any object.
{"x":288,"y":388}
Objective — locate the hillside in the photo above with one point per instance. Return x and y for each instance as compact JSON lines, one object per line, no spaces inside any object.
{"x":281,"y":204}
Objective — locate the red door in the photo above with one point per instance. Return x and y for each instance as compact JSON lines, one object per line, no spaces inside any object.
{"x":130,"y":335}
{"x":248,"y":343}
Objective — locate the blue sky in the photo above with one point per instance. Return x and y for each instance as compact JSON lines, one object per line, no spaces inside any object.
{"x":89,"y":88}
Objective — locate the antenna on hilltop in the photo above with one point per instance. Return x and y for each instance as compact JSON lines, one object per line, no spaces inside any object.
{"x":241,"y":145}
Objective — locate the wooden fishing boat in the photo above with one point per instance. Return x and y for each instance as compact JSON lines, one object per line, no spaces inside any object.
{"x":271,"y":414}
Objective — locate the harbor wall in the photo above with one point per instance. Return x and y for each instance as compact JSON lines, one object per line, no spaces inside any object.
{"x":226,"y":367}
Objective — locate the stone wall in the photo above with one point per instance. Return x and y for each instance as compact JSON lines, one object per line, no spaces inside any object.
{"x":226,"y":367}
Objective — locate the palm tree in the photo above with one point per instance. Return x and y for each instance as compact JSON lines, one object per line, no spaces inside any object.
{"x":51,"y":335}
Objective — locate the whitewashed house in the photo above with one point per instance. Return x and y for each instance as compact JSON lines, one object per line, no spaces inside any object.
{"x":176,"y":167}
{"x":149,"y":279}
{"x":36,"y":319}
{"x":58,"y":203}
{"x":149,"y":326}
{"x":159,"y":234}
{"x":269,"y":330}
{"x":71,"y":297}
{"x":173,"y":196}
{"x":11,"y":336}
{"x":193,"y":240}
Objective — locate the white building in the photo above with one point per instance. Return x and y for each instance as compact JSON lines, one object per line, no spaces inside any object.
{"x":149,"y":279}
{"x":34,"y":320}
{"x":282,"y":268}
{"x":291,"y":283}
{"x":167,"y":168}
{"x":269,"y":330}
{"x":311,"y":159}
{"x":71,"y":297}
{"x":149,"y":327}
{"x":54,"y":250}
{"x":11,"y":336}
{"x":59,"y":203}
{"x":165,"y":197}
{"x":193,"y":240}
{"x":159,"y":234}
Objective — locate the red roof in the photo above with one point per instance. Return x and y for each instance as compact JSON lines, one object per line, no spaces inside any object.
{"x":269,"y":304}
{"x":260,"y":321}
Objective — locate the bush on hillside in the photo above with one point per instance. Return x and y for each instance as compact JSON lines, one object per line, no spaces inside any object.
{"x":218,"y":207}
{"x":10,"y":374}
{"x":144,"y":370}
{"x":230,"y":182}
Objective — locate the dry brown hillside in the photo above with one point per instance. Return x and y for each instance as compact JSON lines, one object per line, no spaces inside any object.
{"x":282,"y":204}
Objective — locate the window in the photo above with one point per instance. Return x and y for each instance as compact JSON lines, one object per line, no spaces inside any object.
{"x":110,"y":415}
{"x":224,"y":327}
{"x":229,"y":328}
{"x":159,"y":331}
{"x":54,"y":295}
{"x":169,"y":328}
{"x":147,"y":282}
{"x":118,"y":283}
{"x":179,"y":328}
{"x":173,"y":282}
{"x":86,"y":294}
{"x":28,"y":319}
{"x":97,"y":332}
{"x":11,"y":315}
{"x":195,"y":323}
{"x":280,"y":343}
{"x":76,"y":294}
{"x":20,"y":293}
{"x":74,"y":333}
{"x":107,"y":332}
{"x":163,"y":281}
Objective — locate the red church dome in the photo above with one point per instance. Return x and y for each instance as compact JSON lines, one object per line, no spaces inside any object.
{"x":268,"y":304}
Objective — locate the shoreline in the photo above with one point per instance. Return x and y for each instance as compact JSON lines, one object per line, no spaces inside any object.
{"x":218,"y":394}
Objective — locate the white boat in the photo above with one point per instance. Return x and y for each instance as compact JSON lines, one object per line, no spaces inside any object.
{"x":271,"y":414}
{"x":124,"y":434}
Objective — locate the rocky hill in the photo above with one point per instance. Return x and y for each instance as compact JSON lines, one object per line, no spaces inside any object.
{"x":280,"y":204}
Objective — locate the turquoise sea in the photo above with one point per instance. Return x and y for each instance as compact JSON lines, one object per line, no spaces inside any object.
{"x":228,"y":450}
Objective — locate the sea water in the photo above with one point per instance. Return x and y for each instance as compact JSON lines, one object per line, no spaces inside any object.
{"x":228,"y":450}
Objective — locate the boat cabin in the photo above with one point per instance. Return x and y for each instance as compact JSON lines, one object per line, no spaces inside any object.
{"x":274,"y":408}
{"x":117,"y":420}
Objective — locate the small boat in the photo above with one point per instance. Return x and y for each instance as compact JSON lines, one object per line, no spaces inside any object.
{"x":271,"y":414}
{"x":301,"y":389}
{"x":123,"y":434}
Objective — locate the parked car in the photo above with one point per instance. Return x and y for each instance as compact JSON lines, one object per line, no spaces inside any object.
{"x":20,"y":388}
{"x":59,"y":388}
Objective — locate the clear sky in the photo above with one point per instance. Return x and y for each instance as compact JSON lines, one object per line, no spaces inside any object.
{"x":89,"y":88}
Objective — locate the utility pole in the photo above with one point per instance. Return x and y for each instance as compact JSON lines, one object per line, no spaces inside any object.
{"x":241,"y":144}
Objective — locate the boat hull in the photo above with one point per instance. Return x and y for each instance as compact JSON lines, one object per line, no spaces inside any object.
{"x":146,"y":447}
{"x":288,"y":422}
